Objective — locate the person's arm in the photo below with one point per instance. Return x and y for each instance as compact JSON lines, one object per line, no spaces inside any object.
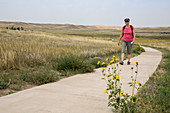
{"x":134,"y":36}
{"x":120,"y":37}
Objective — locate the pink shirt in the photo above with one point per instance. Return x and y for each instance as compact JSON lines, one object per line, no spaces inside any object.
{"x":127,"y":34}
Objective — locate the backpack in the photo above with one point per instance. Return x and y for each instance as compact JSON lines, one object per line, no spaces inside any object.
{"x":130,"y":27}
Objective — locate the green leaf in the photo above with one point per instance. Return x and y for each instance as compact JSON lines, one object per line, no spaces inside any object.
{"x":118,"y":99}
{"x":130,"y":83}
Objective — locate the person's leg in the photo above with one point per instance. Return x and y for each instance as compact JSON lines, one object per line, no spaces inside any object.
{"x":129,"y":55}
{"x":122,"y":56}
{"x":129,"y":49}
{"x":123,"y":51}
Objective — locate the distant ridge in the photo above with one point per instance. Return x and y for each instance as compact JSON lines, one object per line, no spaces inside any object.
{"x":67,"y":26}
{"x":5,"y":23}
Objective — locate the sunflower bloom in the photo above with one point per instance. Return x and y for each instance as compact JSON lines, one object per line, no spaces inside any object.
{"x":107,"y":76}
{"x":103,"y":63}
{"x":117,"y":59}
{"x":117,"y":76}
{"x":121,"y":93}
{"x":113,"y":57}
{"x":105,"y":91}
{"x":111,"y":61}
{"x":138,"y":82}
{"x":102,"y":69}
{"x":136,"y":62}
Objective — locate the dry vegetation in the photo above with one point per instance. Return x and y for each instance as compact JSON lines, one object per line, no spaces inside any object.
{"x":28,"y":48}
{"x":41,"y":53}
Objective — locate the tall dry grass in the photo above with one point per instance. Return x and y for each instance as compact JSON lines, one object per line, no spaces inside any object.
{"x":33,"y":48}
{"x":162,"y":43}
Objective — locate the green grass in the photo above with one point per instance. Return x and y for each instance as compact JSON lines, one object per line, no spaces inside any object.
{"x":155,"y":94}
{"x":72,"y":64}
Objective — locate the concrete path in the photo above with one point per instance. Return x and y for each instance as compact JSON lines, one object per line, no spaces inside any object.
{"x":82,"y":93}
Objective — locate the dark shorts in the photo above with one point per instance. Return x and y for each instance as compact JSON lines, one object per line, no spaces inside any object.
{"x":128,"y":45}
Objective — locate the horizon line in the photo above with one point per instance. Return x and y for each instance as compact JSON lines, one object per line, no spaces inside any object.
{"x":53,"y":23}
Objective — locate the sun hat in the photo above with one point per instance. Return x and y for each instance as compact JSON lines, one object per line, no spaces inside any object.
{"x":126,"y":19}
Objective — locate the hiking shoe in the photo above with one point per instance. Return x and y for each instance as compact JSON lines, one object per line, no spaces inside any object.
{"x":128,"y":63}
{"x":121,"y":63}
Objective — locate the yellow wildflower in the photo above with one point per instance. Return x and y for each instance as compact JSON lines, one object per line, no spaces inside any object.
{"x":107,"y":59}
{"x":111,"y":61}
{"x":136,"y":62}
{"x":117,"y":76}
{"x":107,"y":76}
{"x":121,"y":93}
{"x":117,"y":59}
{"x":108,"y":64}
{"x":138,"y":82}
{"x":134,"y":102}
{"x":138,"y":87}
{"x":103,"y":63}
{"x":111,"y":86}
{"x":113,"y":57}
{"x":102,"y":69}
{"x":98,"y":62}
{"x":126,"y":94}
{"x":113,"y":78}
{"x":105,"y":91}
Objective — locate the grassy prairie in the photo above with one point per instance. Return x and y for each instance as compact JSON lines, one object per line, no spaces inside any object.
{"x":44,"y":53}
{"x":25,"y":48}
{"x":37,"y":56}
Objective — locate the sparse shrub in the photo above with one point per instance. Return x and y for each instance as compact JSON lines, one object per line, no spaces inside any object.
{"x":142,"y":50}
{"x":71,"y":62}
{"x":137,"y":49}
{"x":6,"y":80}
{"x":93,"y":61}
{"x":22,"y":28}
{"x":12,"y":28}
{"x":18,"y":28}
{"x":3,"y":85}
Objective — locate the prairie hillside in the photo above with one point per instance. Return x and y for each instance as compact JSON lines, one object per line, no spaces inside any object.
{"x":148,"y":35}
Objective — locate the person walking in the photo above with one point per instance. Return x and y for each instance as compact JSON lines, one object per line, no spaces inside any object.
{"x":128,"y":39}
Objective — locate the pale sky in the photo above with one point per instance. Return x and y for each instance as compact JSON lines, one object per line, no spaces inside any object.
{"x":143,"y":13}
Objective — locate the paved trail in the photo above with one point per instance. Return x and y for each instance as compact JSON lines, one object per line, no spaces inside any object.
{"x":82,"y":93}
